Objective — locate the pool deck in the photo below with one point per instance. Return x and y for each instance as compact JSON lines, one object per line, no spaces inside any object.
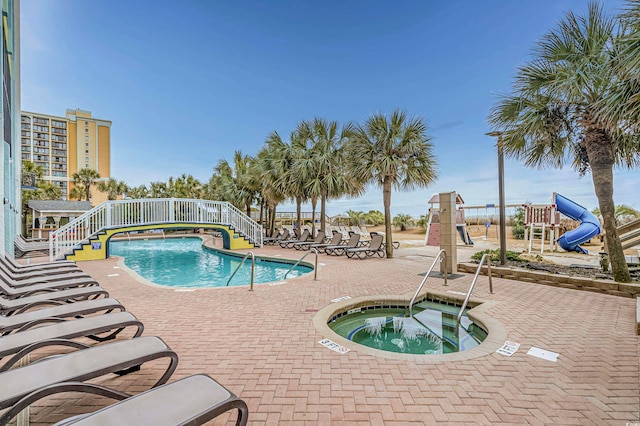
{"x":263,"y":345}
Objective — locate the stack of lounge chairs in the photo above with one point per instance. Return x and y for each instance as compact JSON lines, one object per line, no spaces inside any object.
{"x":48,"y":306}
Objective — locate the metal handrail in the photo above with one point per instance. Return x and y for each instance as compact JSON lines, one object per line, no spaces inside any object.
{"x":438,"y":256}
{"x":475,"y":279}
{"x":315,"y":269}
{"x":253,"y":266}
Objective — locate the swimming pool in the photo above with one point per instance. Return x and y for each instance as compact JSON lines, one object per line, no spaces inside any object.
{"x":433,"y":329}
{"x":183,"y":262}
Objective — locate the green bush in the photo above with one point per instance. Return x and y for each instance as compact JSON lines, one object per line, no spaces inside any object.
{"x":495,"y":255}
{"x":517,"y":224}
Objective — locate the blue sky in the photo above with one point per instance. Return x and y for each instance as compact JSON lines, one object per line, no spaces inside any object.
{"x":188,"y":83}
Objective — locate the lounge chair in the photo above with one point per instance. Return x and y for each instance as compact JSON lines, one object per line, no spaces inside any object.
{"x":274,"y":240}
{"x":192,"y":400}
{"x":16,"y":267}
{"x":375,"y":247}
{"x":305,"y":245}
{"x":10,"y":292}
{"x":335,"y":240}
{"x":290,"y":243}
{"x":23,"y":246}
{"x":340,"y":249}
{"x":9,"y":306}
{"x":40,"y":276}
{"x":33,"y":283}
{"x":23,"y":386}
{"x":21,"y":319}
{"x":75,"y":278}
{"x":28,"y":340}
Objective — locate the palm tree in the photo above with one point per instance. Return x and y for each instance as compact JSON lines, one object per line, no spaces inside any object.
{"x":623,"y":104}
{"x":286,"y":158}
{"x":268,"y":172}
{"x":76,"y":193}
{"x":403,"y":221}
{"x":159,"y":190}
{"x":355,"y":217}
{"x":112,"y":187}
{"x":186,"y":186}
{"x":392,"y":151}
{"x":323,"y":169}
{"x":622,"y":213}
{"x":138,"y":192}
{"x":374,"y":217}
{"x":552,"y":116}
{"x":234,"y":183}
{"x":84,"y":178}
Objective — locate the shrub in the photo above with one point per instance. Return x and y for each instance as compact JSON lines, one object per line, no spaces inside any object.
{"x":495,"y":255}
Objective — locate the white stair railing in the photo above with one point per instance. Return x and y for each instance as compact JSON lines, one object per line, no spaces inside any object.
{"x":123,"y":213}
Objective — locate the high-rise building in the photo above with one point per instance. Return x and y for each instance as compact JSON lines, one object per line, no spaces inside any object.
{"x":64,"y":145}
{"x":10,"y":112}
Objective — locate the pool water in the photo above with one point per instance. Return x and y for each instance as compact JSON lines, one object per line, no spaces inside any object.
{"x":389,"y":329}
{"x":182,"y":262}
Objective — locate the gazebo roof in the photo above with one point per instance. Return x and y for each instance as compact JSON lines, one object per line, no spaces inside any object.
{"x":58,"y":206}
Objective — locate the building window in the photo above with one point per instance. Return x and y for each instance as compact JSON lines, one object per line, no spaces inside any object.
{"x":86,"y":159}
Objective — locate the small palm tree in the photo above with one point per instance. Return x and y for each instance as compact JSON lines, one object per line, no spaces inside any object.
{"x":112,"y":187}
{"x":138,"y":192}
{"x":623,"y":213}
{"x":76,"y":193}
{"x":552,"y":116}
{"x":403,"y":221}
{"x":374,"y":217}
{"x":355,"y":218}
{"x":392,"y":151}
{"x":84,"y":178}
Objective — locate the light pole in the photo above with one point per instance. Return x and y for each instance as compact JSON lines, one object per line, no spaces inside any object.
{"x":503,"y":218}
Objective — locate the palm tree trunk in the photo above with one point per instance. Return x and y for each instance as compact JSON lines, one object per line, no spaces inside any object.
{"x":600,"y":152}
{"x":323,"y":209}
{"x":262,"y":213}
{"x":314,"y":201}
{"x":298,"y":216}
{"x":386,"y":199}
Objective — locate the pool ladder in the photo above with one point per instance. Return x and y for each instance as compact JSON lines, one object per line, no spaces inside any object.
{"x":253,"y":267}
{"x":441,"y":254}
{"x":475,"y":279}
{"x":315,"y":269}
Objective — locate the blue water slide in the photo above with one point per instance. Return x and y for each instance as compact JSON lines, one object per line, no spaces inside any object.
{"x":589,"y":225}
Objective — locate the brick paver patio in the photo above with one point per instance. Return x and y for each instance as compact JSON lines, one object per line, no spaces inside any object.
{"x":263,"y":346}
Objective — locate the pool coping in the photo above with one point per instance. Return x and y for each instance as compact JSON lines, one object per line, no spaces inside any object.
{"x":496,"y":331}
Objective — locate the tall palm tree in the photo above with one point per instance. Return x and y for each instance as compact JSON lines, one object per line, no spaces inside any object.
{"x":323,"y":169}
{"x":552,"y":116}
{"x":84,"y":178}
{"x":112,"y":187}
{"x":267,"y":170}
{"x":393,"y":151}
{"x":285,"y":159}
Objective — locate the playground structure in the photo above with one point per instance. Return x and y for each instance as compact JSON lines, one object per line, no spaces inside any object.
{"x":540,"y":222}
{"x":543,"y":221}
{"x":433,"y":235}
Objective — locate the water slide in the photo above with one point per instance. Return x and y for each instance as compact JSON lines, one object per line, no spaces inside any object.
{"x":589,"y":225}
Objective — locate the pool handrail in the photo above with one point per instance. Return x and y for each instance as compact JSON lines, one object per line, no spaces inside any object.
{"x":473,"y":283}
{"x":253,"y":266}
{"x":315,"y":269}
{"x":440,"y":254}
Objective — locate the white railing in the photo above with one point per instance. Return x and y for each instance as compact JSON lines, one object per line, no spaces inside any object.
{"x":153,"y":211}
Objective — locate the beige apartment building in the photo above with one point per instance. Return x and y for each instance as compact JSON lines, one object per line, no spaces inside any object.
{"x":64,"y":145}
